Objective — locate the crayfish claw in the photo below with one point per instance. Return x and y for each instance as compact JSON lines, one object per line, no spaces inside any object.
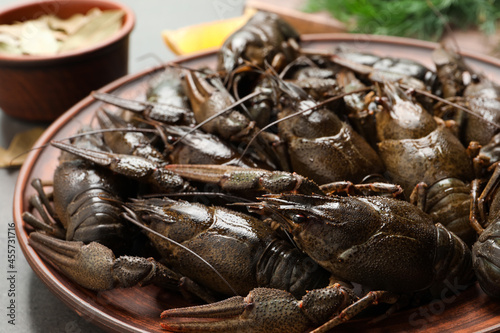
{"x":240,"y":179}
{"x":167,"y":113}
{"x":88,"y":265}
{"x":263,"y":310}
{"x":99,"y":157}
{"x":233,"y":306}
{"x":134,"y":167}
{"x":94,"y":266}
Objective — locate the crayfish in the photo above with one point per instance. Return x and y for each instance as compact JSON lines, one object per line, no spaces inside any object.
{"x":289,"y":189}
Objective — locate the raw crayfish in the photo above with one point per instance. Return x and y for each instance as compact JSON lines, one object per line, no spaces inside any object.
{"x":342,"y":233}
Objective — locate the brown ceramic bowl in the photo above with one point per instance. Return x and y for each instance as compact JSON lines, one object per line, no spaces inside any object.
{"x":40,"y":88}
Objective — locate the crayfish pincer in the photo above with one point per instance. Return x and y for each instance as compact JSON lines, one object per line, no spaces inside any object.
{"x":384,"y":244}
{"x":95,"y":267}
{"x":134,"y":167}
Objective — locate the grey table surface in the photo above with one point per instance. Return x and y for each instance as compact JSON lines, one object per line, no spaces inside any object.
{"x":37,"y":309}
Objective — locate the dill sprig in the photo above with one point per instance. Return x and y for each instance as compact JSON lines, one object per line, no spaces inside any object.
{"x":411,"y":18}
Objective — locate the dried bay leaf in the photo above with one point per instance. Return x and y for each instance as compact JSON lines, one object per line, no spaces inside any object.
{"x":71,"y":25}
{"x":9,"y":48}
{"x":13,"y":30}
{"x":49,"y":34}
{"x":9,"y":44}
{"x":59,"y":35}
{"x":97,"y":29}
{"x":9,"y":38}
{"x":20,"y":145}
{"x":41,"y":40}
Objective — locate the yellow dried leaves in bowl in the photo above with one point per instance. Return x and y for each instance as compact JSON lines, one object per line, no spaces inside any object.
{"x":50,"y":35}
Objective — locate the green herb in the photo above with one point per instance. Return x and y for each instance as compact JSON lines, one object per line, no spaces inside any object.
{"x":411,"y":18}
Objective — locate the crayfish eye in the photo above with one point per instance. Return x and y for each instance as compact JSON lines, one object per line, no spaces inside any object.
{"x":475,"y":78}
{"x":299,"y":218}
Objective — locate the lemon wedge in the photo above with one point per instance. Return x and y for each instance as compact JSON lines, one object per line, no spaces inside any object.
{"x":203,"y":36}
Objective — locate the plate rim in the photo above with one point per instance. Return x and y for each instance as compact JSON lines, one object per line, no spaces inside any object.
{"x":81,"y":306}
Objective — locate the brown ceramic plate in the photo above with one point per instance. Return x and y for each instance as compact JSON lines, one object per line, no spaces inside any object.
{"x":138,"y":309}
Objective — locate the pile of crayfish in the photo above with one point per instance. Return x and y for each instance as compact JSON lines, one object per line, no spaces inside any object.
{"x":289,"y":188}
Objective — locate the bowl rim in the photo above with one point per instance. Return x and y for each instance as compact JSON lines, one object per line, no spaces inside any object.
{"x":126,"y":29}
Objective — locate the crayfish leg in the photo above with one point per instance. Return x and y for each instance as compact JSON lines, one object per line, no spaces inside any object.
{"x":371,"y":298}
{"x":476,"y":212}
{"x":376,"y":188}
{"x":487,"y":195}
{"x":41,"y":203}
{"x":418,"y":196}
{"x":38,"y":224}
{"x":44,"y":196}
{"x":190,"y":289}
